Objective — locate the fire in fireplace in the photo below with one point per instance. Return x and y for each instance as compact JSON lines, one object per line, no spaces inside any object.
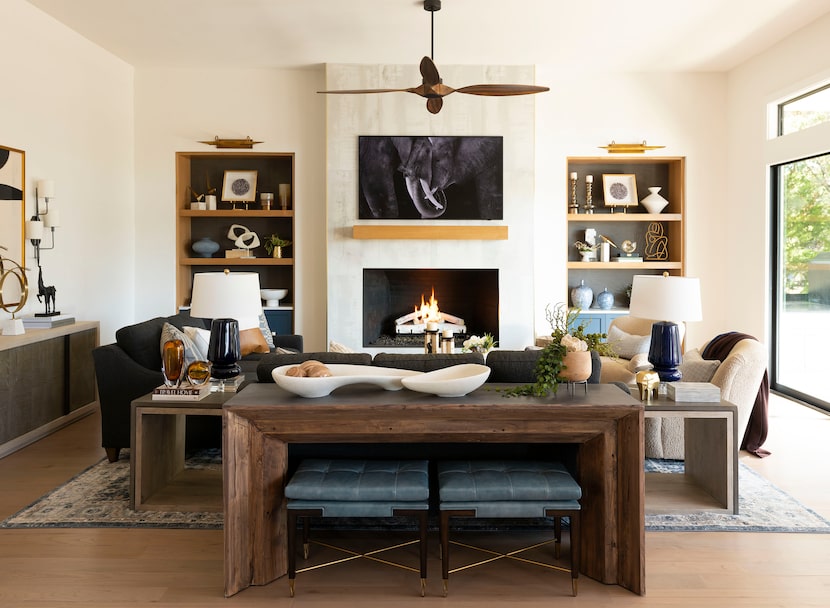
{"x":393,"y":318}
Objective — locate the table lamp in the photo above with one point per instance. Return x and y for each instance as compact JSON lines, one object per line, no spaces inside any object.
{"x":231,"y":300}
{"x":672,"y":299}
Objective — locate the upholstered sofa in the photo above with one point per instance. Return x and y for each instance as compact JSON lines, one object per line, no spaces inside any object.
{"x":131,"y":367}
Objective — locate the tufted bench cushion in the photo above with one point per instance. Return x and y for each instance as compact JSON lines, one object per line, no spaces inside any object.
{"x":359,"y":488}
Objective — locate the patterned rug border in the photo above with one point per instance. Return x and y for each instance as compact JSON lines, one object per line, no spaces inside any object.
{"x":98,"y":497}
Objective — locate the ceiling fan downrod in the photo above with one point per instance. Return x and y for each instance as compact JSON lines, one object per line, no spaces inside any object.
{"x":432,"y":6}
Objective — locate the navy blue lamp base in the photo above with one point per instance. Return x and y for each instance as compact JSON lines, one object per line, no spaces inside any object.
{"x":223,"y":349}
{"x":664,"y":353}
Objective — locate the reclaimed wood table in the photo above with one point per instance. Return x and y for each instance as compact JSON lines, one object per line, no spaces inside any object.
{"x":605,"y":425}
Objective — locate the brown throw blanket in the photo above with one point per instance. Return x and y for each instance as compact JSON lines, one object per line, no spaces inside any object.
{"x":756,"y":429}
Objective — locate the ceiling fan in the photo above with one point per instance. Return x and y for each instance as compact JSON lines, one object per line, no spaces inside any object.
{"x":432,"y":87}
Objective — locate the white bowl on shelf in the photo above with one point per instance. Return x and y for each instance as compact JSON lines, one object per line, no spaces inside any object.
{"x":272,"y":297}
{"x":453,"y":381}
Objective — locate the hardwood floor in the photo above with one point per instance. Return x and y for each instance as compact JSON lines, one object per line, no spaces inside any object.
{"x":183,"y":568}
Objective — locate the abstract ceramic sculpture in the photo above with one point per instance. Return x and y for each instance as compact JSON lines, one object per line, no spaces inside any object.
{"x":654,"y":203}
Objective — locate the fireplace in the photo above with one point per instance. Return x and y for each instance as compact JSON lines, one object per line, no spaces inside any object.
{"x":469,"y":298}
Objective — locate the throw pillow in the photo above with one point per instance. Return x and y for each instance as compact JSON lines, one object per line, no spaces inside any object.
{"x":201,"y":339}
{"x":627,"y":345}
{"x":252,"y":341}
{"x":191,"y":351}
{"x":266,"y":330}
{"x":336,"y":347}
{"x":695,"y":368}
{"x":638,"y":363}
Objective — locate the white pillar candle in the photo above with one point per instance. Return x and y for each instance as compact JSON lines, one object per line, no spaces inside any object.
{"x":432,"y":326}
{"x":447,"y":333}
{"x":589,"y":178}
{"x":573,"y":175}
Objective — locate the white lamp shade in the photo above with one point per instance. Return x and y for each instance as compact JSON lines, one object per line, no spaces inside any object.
{"x":231,"y":295}
{"x":34,"y":230}
{"x":46,"y":188}
{"x":53,"y":218}
{"x":665,"y":298}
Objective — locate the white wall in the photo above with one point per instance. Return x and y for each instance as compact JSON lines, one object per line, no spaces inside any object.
{"x":800,"y":62}
{"x":69,"y":106}
{"x":175,"y":109}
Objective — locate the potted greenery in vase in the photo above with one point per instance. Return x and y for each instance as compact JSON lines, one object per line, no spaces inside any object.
{"x":274,"y":244}
{"x":567,"y":350}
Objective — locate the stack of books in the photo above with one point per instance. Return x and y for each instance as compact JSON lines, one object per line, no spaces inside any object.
{"x":705,"y":392}
{"x":185,"y":392}
{"x":231,"y":385}
{"x":628,"y":258}
{"x":47,"y":322}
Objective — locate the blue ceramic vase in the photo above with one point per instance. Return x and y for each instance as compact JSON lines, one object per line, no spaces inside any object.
{"x":205,"y":247}
{"x":605,"y":299}
{"x":582,"y":296}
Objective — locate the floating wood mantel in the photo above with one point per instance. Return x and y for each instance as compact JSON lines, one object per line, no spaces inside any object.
{"x":431,"y":232}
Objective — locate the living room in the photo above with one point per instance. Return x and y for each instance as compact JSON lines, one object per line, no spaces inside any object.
{"x":107,"y":131}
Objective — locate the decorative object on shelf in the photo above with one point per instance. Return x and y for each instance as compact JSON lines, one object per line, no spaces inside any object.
{"x":589,"y":194}
{"x":605,"y":248}
{"x":272,"y":297}
{"x":605,"y":299}
{"x":210,"y":201}
{"x":648,"y":383}
{"x":582,"y":296}
{"x":628,"y":254}
{"x":231,"y":300}
{"x":241,"y":144}
{"x":239,"y":187}
{"x":44,"y":189}
{"x":198,"y":373}
{"x":172,"y":362}
{"x":657,"y":243}
{"x":619,"y":190}
{"x":17,"y":297}
{"x":202,"y":198}
{"x":671,"y":300}
{"x":244,"y":239}
{"x":266,"y":199}
{"x":573,"y":207}
{"x":274,"y":244}
{"x":586,"y":251}
{"x":285,"y":196}
{"x":654,"y":202}
{"x":434,"y":89}
{"x":615,"y":148}
{"x":205,"y":247}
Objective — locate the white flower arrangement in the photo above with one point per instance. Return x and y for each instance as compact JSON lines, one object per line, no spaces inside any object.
{"x":476,"y":344}
{"x":572,"y":344}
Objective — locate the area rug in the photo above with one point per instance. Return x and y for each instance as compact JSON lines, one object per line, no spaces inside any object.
{"x":99,"y":497}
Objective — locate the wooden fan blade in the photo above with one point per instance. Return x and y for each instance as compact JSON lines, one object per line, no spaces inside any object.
{"x":500,"y":90}
{"x":362,"y":91}
{"x":429,"y":72}
{"x":434,"y":104}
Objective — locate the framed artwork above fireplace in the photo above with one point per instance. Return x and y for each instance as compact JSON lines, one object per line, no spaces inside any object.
{"x":430,"y":177}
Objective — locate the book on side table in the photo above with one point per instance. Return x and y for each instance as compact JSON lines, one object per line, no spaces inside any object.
{"x":185,"y":392}
{"x":700,"y":392}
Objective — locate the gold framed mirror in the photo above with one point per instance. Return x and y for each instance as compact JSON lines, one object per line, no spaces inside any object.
{"x":12,"y":218}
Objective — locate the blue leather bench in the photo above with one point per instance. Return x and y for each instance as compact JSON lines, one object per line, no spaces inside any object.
{"x":357,"y":488}
{"x":509,"y":489}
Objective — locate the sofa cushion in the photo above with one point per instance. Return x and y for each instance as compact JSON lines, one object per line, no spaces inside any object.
{"x":513,"y":365}
{"x":627,"y":345}
{"x":191,"y":350}
{"x":141,"y":342}
{"x":252,"y":341}
{"x":421,"y":362}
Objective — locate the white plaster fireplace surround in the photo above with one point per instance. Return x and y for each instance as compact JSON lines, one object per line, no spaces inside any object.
{"x":349,"y":116}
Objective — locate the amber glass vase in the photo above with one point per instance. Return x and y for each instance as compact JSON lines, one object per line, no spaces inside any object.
{"x":172,"y":362}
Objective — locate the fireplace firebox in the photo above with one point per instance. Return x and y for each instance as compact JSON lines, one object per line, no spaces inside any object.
{"x":470,"y":296}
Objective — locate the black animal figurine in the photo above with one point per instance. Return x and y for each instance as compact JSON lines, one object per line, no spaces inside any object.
{"x":45,"y":291}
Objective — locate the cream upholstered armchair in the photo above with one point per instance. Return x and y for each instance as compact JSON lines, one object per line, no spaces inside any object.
{"x":739,"y":378}
{"x":630,"y":337}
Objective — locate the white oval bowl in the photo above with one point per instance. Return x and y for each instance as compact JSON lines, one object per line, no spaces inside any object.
{"x":454,"y":381}
{"x":342,"y":375}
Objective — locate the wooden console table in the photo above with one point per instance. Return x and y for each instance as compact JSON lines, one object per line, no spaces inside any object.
{"x":605,"y":424}
{"x":47,"y":381}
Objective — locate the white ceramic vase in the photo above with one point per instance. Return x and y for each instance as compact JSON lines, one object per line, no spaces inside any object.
{"x":654,"y":203}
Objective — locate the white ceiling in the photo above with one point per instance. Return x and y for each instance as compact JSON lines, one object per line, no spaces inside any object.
{"x":630,"y":35}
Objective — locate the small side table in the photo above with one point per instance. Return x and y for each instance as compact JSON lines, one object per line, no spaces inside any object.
{"x":159,"y":480}
{"x":710,"y":482}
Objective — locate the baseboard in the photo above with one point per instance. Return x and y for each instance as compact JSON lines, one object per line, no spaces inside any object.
{"x":47,"y":429}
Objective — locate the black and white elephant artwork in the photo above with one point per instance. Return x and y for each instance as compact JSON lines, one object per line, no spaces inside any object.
{"x":420,"y":177}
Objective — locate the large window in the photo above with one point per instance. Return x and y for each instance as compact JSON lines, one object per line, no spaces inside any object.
{"x":801,"y":332}
{"x":805,"y":111}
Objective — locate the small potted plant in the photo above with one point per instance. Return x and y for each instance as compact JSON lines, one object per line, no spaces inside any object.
{"x":274,"y":244}
{"x":479,"y":344}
